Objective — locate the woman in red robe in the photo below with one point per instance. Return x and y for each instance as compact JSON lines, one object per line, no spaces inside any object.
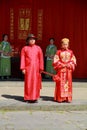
{"x":31,"y":65}
{"x":64,"y":63}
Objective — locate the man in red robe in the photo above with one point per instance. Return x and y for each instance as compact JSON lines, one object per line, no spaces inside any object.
{"x":64,"y":63}
{"x":31,"y":65}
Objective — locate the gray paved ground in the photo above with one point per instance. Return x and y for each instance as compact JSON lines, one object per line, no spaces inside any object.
{"x":43,"y":120}
{"x":15,"y":114}
{"x":11,"y":97}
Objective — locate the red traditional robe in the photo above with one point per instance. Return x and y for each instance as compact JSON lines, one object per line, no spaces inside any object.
{"x":32,"y":62}
{"x":64,"y":63}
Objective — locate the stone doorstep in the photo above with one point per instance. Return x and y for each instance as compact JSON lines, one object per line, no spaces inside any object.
{"x":13,"y":105}
{"x":45,"y":108}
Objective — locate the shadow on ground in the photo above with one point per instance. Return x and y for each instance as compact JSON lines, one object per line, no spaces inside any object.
{"x":47,"y":98}
{"x":18,"y":98}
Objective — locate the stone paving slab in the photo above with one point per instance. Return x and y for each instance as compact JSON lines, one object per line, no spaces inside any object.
{"x":40,"y":120}
{"x":19,"y":104}
{"x":11,"y":97}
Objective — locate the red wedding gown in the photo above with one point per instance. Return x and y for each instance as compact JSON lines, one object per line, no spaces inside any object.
{"x":32,"y":62}
{"x":64,"y":63}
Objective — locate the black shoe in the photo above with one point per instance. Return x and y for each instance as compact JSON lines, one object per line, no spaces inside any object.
{"x":27,"y":101}
{"x":2,"y":77}
{"x":7,"y":77}
{"x":33,"y":101}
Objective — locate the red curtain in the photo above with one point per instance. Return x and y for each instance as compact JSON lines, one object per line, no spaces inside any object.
{"x":58,"y":19}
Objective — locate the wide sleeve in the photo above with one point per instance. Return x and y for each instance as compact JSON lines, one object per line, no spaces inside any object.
{"x":73,"y":62}
{"x":47,"y":51}
{"x":55,"y":50}
{"x":57,"y":64}
{"x":22,"y":62}
{"x":41,"y":61}
{"x":1,"y":46}
{"x":9,"y":49}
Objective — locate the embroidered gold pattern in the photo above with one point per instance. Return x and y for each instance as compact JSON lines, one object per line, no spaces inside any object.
{"x":40,"y":24}
{"x":24,"y":23}
{"x":11,"y":23}
{"x":65,"y":56}
{"x":66,"y":86}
